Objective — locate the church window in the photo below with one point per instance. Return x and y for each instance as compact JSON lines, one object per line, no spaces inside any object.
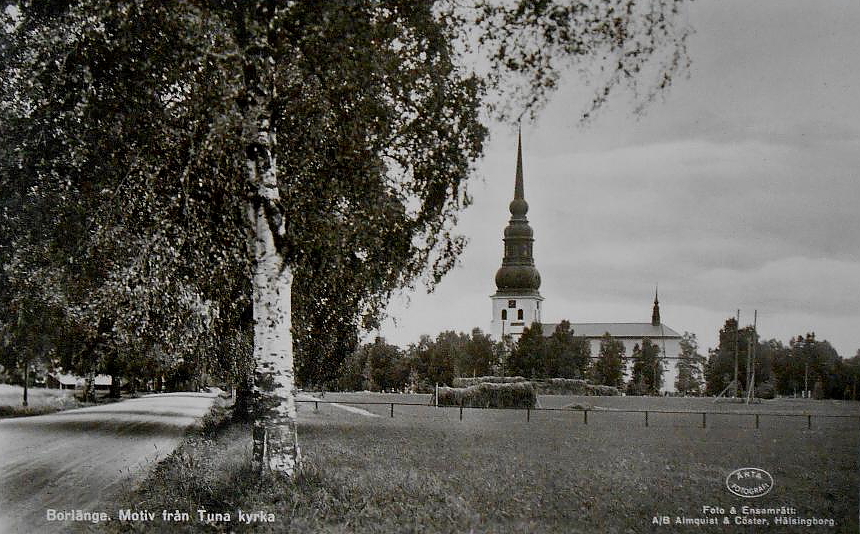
{"x":519,"y":315}
{"x":504,"y":315}
{"x":512,"y":304}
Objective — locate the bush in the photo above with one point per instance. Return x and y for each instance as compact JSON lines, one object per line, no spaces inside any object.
{"x":474,"y":381}
{"x":603,"y":391}
{"x":490,"y":395}
{"x":765,"y":390}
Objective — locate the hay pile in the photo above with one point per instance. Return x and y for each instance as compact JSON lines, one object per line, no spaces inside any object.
{"x":474,"y":381}
{"x":572,"y":386}
{"x":490,"y":395}
{"x":550,"y":386}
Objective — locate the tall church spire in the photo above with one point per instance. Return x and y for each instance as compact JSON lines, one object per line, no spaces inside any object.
{"x":518,"y":274}
{"x":655,"y":313}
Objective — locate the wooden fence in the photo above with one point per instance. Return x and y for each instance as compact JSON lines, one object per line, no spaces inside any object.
{"x":646,"y":414}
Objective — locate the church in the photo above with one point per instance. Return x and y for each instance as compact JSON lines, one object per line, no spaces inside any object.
{"x":517,"y":301}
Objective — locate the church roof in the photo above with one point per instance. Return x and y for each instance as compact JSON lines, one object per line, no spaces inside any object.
{"x":622,"y":330}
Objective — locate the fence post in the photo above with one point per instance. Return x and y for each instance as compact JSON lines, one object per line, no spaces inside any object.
{"x":646,"y":417}
{"x":392,"y":409}
{"x":809,"y":421}
{"x":585,"y":416}
{"x":756,"y":421}
{"x":528,"y":414}
{"x":316,"y":406}
{"x":704,"y":420}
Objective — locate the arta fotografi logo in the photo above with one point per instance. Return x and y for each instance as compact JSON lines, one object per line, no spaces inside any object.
{"x":749,"y":482}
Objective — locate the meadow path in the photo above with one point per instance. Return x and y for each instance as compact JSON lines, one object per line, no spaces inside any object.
{"x":78,"y":459}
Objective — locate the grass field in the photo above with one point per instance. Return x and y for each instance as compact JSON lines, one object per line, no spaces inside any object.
{"x":424,"y":470}
{"x":40,"y":401}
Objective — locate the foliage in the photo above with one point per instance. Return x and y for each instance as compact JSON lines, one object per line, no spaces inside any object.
{"x":435,"y":361}
{"x":690,"y":362}
{"x":734,"y":345}
{"x":530,"y":43}
{"x":567,"y":355}
{"x":814,"y":365}
{"x":561,"y":355}
{"x":529,"y":354}
{"x":375,"y":366}
{"x":480,"y":355}
{"x":647,"y":376}
{"x":153,"y":208}
{"x":451,"y":355}
{"x":608,"y":368}
{"x":138,"y":141}
{"x":806,"y":363}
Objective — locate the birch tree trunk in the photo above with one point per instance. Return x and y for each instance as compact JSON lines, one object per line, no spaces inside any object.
{"x":274,"y":433}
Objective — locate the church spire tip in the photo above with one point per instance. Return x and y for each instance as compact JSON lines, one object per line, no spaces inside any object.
{"x":518,"y":186}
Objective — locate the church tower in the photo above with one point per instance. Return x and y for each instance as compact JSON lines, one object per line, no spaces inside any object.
{"x":517,"y":302}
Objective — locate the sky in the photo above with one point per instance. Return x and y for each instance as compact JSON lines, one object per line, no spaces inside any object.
{"x":737,"y":190}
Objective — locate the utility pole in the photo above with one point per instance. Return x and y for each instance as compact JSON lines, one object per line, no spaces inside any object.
{"x":737,"y":327}
{"x":26,"y":380}
{"x":805,"y":380}
{"x":751,"y":359}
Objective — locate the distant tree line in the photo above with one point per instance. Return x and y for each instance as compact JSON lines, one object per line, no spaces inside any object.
{"x":381,"y":366}
{"x":806,"y":364}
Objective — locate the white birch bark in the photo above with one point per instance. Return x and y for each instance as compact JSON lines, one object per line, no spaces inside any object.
{"x":275,"y":440}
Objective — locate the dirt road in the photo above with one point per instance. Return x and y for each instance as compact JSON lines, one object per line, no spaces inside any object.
{"x":75,"y":460}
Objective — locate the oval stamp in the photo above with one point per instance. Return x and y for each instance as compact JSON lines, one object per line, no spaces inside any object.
{"x":749,"y":482}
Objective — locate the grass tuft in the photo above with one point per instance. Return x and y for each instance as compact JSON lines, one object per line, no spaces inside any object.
{"x":27,"y":411}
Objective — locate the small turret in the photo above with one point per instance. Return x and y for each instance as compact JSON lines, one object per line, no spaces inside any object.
{"x":655,"y":313}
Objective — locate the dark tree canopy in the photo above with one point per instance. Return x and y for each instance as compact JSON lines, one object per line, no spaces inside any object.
{"x":126,"y":130}
{"x":608,"y":368}
{"x":689,"y":379}
{"x":647,"y":375}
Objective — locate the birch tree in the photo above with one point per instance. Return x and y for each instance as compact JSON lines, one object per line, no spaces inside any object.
{"x":188,"y":148}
